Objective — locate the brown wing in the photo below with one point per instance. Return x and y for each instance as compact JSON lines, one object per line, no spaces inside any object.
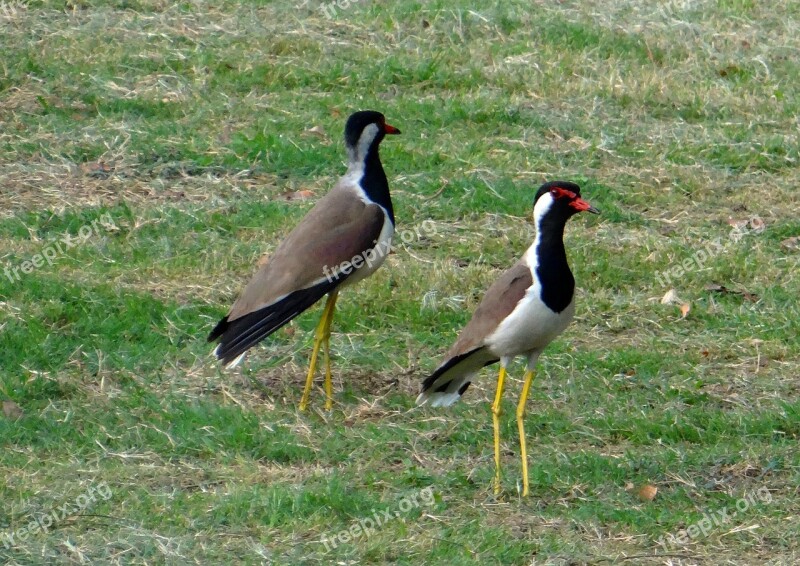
{"x":468,"y":355}
{"x":338,"y":228}
{"x":498,"y":302}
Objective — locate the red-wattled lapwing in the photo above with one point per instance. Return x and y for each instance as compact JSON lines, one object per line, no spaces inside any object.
{"x":521,"y":313}
{"x":344,"y":238}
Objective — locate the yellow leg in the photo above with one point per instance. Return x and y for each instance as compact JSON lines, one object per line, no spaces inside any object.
{"x":496,"y":422}
{"x":327,"y":346}
{"x":319,"y":335}
{"x":521,"y":425}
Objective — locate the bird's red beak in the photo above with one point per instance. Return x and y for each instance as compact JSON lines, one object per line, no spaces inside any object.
{"x":580,"y":205}
{"x":390,"y":129}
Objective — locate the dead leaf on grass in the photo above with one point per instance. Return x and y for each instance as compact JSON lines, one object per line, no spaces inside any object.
{"x":754,"y":223}
{"x":317,"y":131}
{"x":738,"y":223}
{"x":791,"y":244}
{"x":646,"y":492}
{"x":292,"y":196}
{"x":722,"y":289}
{"x":670,"y":297}
{"x":98,"y":169}
{"x":12,"y":411}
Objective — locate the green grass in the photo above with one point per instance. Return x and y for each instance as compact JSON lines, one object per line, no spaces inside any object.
{"x":187,"y":124}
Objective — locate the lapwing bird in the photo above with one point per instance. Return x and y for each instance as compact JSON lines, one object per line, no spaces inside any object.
{"x":344,"y":238}
{"x":521,"y":313}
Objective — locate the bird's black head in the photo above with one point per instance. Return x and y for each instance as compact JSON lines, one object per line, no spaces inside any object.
{"x":559,"y":200}
{"x":365,"y":129}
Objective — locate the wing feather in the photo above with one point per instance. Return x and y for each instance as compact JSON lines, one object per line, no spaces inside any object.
{"x":470,"y":353}
{"x":304,"y":268}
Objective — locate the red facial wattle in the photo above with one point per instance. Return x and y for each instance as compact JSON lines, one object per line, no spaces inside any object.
{"x":575,"y":201}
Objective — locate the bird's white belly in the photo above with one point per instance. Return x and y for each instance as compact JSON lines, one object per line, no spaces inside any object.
{"x":530,"y":327}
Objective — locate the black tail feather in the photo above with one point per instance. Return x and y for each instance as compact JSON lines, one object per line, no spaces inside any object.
{"x":454,"y":376}
{"x":238,"y":335}
{"x":454,"y":361}
{"x":219,"y":329}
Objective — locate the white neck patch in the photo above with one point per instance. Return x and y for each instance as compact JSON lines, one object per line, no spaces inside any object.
{"x":542,"y":207}
{"x":358,"y":153}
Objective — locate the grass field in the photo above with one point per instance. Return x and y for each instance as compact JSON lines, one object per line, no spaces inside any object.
{"x":152,"y":152}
